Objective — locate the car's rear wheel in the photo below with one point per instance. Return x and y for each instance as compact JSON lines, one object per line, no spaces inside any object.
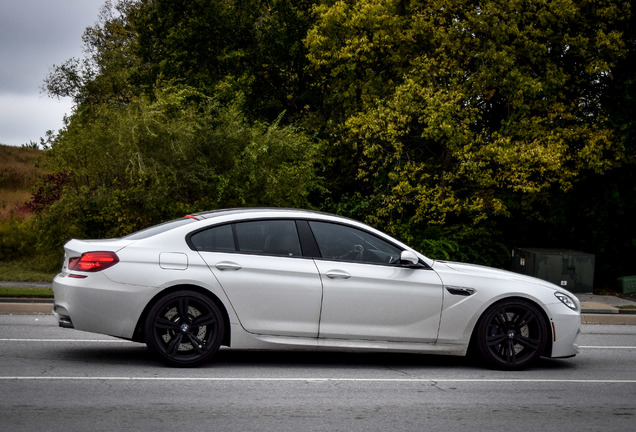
{"x":511,"y":334}
{"x":184,"y":328}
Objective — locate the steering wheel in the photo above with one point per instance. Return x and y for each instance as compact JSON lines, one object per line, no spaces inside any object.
{"x":355,"y":254}
{"x":359,"y":250}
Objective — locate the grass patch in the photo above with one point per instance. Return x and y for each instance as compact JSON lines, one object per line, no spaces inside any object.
{"x":26,"y":292}
{"x":25,"y":270}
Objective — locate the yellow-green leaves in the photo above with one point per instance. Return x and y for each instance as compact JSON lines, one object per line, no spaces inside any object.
{"x":454,"y":105}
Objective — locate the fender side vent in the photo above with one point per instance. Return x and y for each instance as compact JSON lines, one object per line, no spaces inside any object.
{"x":460,"y":291}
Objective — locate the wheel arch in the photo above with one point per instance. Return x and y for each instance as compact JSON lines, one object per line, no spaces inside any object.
{"x":139,"y":335}
{"x":548,"y":321}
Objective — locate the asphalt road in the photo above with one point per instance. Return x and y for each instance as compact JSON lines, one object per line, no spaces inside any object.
{"x":64,"y":380}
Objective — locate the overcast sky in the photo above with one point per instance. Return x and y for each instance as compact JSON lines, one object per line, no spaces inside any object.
{"x":34,"y":36}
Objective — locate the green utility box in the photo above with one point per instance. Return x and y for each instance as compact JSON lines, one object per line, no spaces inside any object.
{"x":627,"y":284}
{"x":570,"y":269}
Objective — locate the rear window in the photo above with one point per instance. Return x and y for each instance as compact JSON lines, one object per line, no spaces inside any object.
{"x":158,"y":229}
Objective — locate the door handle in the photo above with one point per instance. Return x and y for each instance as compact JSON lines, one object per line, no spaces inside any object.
{"x":226,"y":265}
{"x":338,"y":274}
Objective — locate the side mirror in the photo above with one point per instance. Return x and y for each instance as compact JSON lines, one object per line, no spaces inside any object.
{"x":409,"y":258}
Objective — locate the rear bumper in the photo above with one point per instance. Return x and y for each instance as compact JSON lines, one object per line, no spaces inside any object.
{"x":62,"y":316}
{"x":98,"y":305}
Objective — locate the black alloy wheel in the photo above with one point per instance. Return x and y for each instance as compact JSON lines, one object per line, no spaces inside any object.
{"x":184,"y":329}
{"x":512,"y":334}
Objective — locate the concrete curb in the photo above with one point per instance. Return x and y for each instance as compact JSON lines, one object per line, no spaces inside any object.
{"x":26,"y":308}
{"x":598,"y":308}
{"x":27,"y":284}
{"x":608,"y":319}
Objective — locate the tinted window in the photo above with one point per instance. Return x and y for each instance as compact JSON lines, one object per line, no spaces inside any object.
{"x":339,"y":242}
{"x":270,"y":237}
{"x":216,"y":239}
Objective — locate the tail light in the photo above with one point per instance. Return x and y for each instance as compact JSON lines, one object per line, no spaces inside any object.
{"x":93,"y":261}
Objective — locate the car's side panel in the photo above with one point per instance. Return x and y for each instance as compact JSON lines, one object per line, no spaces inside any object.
{"x":243,"y":340}
{"x":112,"y":301}
{"x":271,"y":294}
{"x":461,"y":313}
{"x":379,"y":302}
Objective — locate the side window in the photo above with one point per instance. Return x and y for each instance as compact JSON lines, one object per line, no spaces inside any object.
{"x":216,"y":239}
{"x":339,"y":242}
{"x":267,"y":237}
{"x":270,"y":237}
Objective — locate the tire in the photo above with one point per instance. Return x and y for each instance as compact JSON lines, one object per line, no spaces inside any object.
{"x":511,"y":334}
{"x":184,"y":329}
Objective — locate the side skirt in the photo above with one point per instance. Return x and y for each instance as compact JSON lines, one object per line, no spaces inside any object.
{"x":243,"y":340}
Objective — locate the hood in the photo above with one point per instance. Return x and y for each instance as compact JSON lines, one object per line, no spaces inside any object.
{"x":483,"y":271}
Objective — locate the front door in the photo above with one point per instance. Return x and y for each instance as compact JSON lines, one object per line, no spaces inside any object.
{"x":368,"y":294}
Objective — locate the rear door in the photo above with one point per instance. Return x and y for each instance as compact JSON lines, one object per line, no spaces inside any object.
{"x":272,"y":287}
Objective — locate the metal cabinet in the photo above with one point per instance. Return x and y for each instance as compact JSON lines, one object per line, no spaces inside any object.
{"x":570,"y":269}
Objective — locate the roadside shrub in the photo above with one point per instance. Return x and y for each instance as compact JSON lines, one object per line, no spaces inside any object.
{"x":16,"y":239}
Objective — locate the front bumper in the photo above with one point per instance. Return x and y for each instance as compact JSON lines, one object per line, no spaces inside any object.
{"x":566,"y":327}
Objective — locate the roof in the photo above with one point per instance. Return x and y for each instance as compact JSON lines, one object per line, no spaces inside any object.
{"x":246,"y":210}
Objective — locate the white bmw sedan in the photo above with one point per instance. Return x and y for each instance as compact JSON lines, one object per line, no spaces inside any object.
{"x":294,"y":279}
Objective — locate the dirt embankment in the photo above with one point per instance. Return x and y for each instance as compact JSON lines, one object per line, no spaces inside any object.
{"x":18,"y":173}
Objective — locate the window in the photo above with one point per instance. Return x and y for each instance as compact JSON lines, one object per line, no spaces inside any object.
{"x":217,"y":239}
{"x":268,"y":237}
{"x":271,"y":237}
{"x":339,"y":242}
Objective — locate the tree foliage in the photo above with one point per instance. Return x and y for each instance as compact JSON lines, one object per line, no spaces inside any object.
{"x":463,"y":113}
{"x":176,"y":153}
{"x":463,"y":126}
{"x":453,"y":106}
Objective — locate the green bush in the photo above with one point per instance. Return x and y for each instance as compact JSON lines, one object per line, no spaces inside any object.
{"x":163,"y":157}
{"x":16,"y":239}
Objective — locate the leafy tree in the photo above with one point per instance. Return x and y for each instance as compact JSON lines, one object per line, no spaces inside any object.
{"x":464,"y":112}
{"x":180,"y":107}
{"x":251,"y":47}
{"x":462,"y":126}
{"x":598,"y":214}
{"x":103,"y":75}
{"x":177,"y":153}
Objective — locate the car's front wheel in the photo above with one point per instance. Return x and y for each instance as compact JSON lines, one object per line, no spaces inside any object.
{"x":184,"y":328}
{"x":511,"y":334}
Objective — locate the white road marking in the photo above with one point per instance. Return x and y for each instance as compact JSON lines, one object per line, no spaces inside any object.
{"x":320,"y":380}
{"x":619,"y":347}
{"x":68,"y":340}
{"x":298,"y":379}
{"x":606,"y":347}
